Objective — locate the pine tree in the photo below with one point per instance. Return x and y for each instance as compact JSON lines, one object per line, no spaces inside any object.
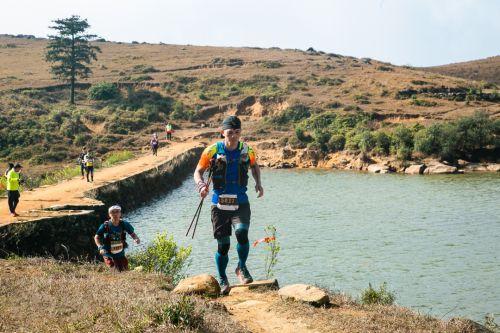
{"x":70,"y":51}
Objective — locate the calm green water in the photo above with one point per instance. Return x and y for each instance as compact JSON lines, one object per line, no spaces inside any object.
{"x":434,"y":239}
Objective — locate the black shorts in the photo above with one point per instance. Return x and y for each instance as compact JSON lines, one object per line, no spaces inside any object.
{"x":223,"y":220}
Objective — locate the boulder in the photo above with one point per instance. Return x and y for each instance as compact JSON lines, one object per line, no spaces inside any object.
{"x":440,"y":168}
{"x":285,"y":165}
{"x":415,"y":169}
{"x":494,"y":167}
{"x":310,"y":154}
{"x":203,"y":284}
{"x":304,"y":293}
{"x":377,"y":168}
{"x":287,"y":153}
{"x":476,"y":167}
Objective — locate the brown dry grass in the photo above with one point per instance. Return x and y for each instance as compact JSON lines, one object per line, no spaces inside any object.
{"x":23,"y":66}
{"x":40,"y":295}
{"x":480,"y":70}
{"x":345,"y":315}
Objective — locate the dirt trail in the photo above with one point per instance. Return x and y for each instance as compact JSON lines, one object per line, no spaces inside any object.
{"x":255,"y":311}
{"x":71,"y":191}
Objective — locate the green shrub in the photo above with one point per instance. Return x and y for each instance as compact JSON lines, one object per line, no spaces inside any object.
{"x":475,"y":132}
{"x":382,"y":143}
{"x":300,"y":134}
{"x":180,"y":313}
{"x":295,"y":143}
{"x":72,"y":126}
{"x":271,"y":64}
{"x":103,"y":91}
{"x":144,"y":69}
{"x":422,"y":102}
{"x":81,"y":139}
{"x":138,"y":99}
{"x":163,"y":256}
{"x":123,"y":124}
{"x":385,"y":68}
{"x":327,"y":81}
{"x":366,"y":141}
{"x":321,"y":137}
{"x":352,"y":140}
{"x":292,"y":114}
{"x":141,"y":78}
{"x":334,"y":105}
{"x":402,"y":136}
{"x":419,"y":82}
{"x":381,"y":296}
{"x":182,"y":113}
{"x":336,"y":143}
{"x":362,"y":99}
{"x":429,"y":140}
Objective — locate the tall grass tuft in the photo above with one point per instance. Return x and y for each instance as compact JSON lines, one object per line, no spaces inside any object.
{"x":180,"y":313}
{"x":381,"y":296}
{"x":117,"y":157}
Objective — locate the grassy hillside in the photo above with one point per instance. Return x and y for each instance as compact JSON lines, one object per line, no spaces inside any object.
{"x":273,"y":90}
{"x":487,"y":70}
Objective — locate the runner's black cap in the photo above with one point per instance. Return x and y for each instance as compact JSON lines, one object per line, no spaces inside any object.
{"x":231,"y":122}
{"x":18,"y":165}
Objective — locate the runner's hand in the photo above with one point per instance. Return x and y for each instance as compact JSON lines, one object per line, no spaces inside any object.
{"x":102,"y":251}
{"x":202,"y":188}
{"x":259,"y":189}
{"x":204,"y":192}
{"x":137,"y":240}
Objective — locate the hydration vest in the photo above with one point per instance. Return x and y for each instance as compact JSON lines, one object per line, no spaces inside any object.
{"x":107,"y":234}
{"x":219,"y":164}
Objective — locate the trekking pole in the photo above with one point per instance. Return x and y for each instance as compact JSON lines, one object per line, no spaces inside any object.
{"x":198,"y":210}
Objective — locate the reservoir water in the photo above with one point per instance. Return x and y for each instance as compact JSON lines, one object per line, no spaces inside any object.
{"x":435,"y":240}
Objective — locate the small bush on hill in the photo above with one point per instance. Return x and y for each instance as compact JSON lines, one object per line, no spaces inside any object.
{"x":103,"y":91}
{"x":385,"y":68}
{"x":144,"y":69}
{"x":180,"y":112}
{"x":293,"y":114}
{"x":422,"y":102}
{"x":271,"y":64}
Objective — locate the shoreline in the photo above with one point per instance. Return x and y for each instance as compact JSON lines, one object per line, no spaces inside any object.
{"x":271,"y":156}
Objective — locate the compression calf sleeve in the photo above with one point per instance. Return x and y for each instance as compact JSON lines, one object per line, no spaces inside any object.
{"x":221,"y":257}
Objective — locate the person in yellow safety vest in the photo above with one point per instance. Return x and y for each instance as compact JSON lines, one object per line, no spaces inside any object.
{"x":13,"y":195}
{"x":88,"y":160}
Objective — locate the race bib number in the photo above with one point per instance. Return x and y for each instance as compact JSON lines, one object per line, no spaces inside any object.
{"x":116,"y":247}
{"x":228,"y":202}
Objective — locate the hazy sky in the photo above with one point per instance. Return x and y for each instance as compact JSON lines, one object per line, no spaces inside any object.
{"x":414,"y":32}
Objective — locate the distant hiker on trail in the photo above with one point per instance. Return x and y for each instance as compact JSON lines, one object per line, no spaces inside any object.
{"x":169,"y":130}
{"x":13,"y":179}
{"x":81,"y":163}
{"x":229,"y":161}
{"x":154,"y":144}
{"x":88,"y":160}
{"x":111,"y":239}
